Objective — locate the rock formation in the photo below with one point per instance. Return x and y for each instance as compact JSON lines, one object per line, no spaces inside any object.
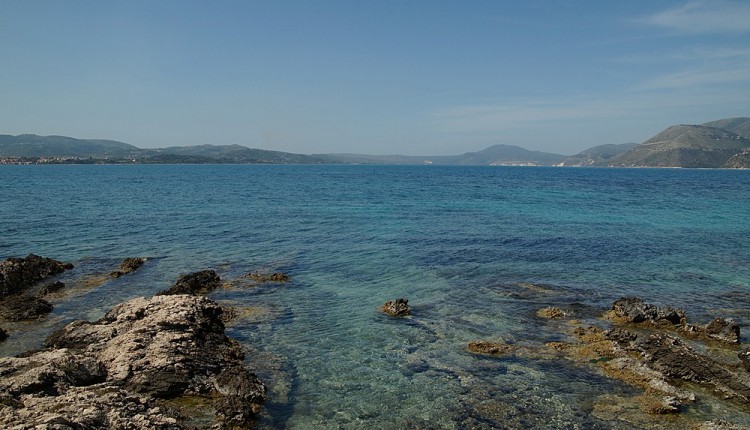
{"x":489,"y":348}
{"x":129,"y":265}
{"x":274,"y":277}
{"x":130,"y":369}
{"x":196,"y":283}
{"x":550,"y":313}
{"x":396,"y":308}
{"x":644,"y":349}
{"x":18,"y":274}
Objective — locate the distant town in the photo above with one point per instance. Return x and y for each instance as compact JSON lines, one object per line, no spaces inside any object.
{"x":62,"y":160}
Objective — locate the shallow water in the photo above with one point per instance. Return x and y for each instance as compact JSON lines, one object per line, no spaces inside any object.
{"x":476,"y":250}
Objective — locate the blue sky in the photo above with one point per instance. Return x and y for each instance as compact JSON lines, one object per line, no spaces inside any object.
{"x":380,"y":77}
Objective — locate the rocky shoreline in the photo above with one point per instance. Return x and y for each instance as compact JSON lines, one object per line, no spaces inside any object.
{"x":147,"y":364}
{"x":674,"y":363}
{"x":165,"y":362}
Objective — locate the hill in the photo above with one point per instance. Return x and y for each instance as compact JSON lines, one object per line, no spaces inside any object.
{"x":501,"y":155}
{"x":65,"y":148}
{"x":739,"y":126}
{"x":715,"y":144}
{"x":598,"y":155}
{"x":496,"y":155}
{"x":232,"y":154}
{"x":31,"y":145}
{"x":697,"y":146}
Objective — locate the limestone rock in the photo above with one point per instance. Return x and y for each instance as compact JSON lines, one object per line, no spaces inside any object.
{"x":744,"y":357}
{"x":724,"y":330}
{"x":18,"y":274}
{"x":52,"y":288}
{"x":635,"y":310}
{"x":196,"y":283}
{"x":396,"y":308}
{"x":273,"y":277}
{"x":550,"y":313}
{"x":129,"y":265}
{"x":115,"y":371}
{"x":489,"y":348}
{"x":24,"y":308}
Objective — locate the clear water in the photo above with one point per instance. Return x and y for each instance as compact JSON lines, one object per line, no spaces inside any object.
{"x":460,"y":243}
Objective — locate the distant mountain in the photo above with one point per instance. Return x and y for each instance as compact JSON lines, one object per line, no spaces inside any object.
{"x":497,"y":155}
{"x":501,"y":155}
{"x":31,"y":145}
{"x":598,"y":155}
{"x":685,"y":146}
{"x":346,"y":158}
{"x":62,"y":147}
{"x":233,"y":154}
{"x":715,"y":144}
{"x":739,"y":126}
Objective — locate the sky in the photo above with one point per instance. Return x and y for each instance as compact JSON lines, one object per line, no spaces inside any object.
{"x":412,"y":77}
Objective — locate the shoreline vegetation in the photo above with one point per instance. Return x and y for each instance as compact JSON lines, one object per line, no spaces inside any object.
{"x":165,"y":361}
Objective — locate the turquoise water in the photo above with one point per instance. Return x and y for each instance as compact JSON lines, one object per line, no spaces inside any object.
{"x":461,"y":243}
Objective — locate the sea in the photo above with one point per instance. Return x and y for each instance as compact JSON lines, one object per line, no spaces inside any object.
{"x":475,"y":250}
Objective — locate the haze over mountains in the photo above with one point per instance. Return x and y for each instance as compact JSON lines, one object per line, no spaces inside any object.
{"x":715,"y":144}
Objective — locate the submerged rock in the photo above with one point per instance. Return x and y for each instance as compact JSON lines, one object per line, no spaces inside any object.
{"x":550,"y":313}
{"x":3,"y":334}
{"x":657,"y":362}
{"x":52,"y":288}
{"x":121,"y":368}
{"x":24,"y":308}
{"x":129,"y":265}
{"x":197,"y":283}
{"x":273,"y":277}
{"x":489,"y":348}
{"x":396,"y":308}
{"x":18,"y":274}
{"x":659,"y":405}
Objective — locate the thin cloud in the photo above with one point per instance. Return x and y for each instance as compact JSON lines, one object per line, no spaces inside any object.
{"x":697,"y":54}
{"x":529,"y":114}
{"x":704,"y":17}
{"x":700,"y":77}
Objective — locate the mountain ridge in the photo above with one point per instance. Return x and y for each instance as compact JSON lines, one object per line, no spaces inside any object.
{"x":723,"y":143}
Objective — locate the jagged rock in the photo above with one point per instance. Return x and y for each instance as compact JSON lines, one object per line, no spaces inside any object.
{"x":52,"y":288}
{"x":719,"y":425}
{"x":196,"y":283}
{"x":105,"y":407}
{"x":490,"y":348}
{"x":744,"y":357}
{"x":659,"y":405}
{"x":550,"y":313}
{"x":274,"y":277}
{"x":24,"y":308}
{"x":635,"y":310}
{"x":620,"y":335}
{"x":396,"y":308}
{"x":674,"y":359}
{"x":724,"y":330}
{"x":129,"y":265}
{"x":112,"y":372}
{"x":18,"y":274}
